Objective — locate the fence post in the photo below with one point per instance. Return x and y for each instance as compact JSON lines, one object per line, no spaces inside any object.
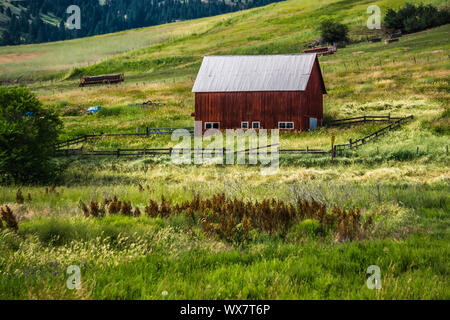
{"x":350,"y":143}
{"x":146,"y":129}
{"x":417,"y":151}
{"x":447,"y":150}
{"x":118,"y":153}
{"x":137,"y":131}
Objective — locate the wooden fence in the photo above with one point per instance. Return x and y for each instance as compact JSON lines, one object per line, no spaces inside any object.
{"x":147,"y":133}
{"x":118,"y":152}
{"x":304,"y":151}
{"x":168,"y":151}
{"x":145,"y":151}
{"x":363,"y":119}
{"x":339,"y":148}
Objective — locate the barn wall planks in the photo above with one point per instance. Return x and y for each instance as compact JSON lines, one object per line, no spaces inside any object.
{"x":267,"y":107}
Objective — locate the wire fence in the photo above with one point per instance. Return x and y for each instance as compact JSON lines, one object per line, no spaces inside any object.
{"x":336,"y":149}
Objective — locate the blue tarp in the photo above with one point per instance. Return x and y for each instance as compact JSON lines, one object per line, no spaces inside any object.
{"x":93,"y":109}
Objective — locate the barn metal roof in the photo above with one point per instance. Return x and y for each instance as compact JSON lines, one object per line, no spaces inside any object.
{"x":254,"y":73}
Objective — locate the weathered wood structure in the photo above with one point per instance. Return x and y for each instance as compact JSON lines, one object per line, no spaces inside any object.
{"x":104,"y":79}
{"x":322,"y":51}
{"x":260,"y":92}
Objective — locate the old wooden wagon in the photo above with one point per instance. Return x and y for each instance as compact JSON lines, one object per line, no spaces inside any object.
{"x":322,"y":50}
{"x":103,"y":79}
{"x":262,"y":91}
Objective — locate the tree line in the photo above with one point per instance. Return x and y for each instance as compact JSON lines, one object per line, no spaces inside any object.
{"x":44,"y":20}
{"x":413,"y":18}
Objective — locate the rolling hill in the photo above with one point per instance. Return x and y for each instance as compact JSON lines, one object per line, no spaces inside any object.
{"x":277,"y":28}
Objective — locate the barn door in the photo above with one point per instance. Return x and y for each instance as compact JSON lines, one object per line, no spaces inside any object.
{"x":312,"y":124}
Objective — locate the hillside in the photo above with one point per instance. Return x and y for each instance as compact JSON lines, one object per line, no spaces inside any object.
{"x":278,"y":28}
{"x":42,"y":20}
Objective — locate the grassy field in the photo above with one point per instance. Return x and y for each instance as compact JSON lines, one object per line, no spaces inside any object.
{"x":401,"y":181}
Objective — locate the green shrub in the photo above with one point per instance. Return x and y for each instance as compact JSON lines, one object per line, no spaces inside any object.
{"x":28,"y":132}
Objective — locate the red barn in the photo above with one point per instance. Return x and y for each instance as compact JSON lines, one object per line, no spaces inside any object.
{"x":260,"y":92}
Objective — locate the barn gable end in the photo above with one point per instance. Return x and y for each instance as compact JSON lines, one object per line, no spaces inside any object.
{"x":259,"y":91}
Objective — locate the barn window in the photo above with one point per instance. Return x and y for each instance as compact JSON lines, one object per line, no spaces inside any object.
{"x":255,"y":124}
{"x":244,"y":124}
{"x":212,"y":125}
{"x":286,"y":125}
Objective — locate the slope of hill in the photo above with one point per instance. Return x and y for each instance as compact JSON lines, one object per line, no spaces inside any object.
{"x":42,"y":20}
{"x":284,"y":27}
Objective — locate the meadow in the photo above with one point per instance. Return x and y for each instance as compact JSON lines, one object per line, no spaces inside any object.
{"x":401,"y":180}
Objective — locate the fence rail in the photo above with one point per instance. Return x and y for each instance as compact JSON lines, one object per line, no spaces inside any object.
{"x":118,"y":152}
{"x":148,"y":132}
{"x":304,"y":151}
{"x":145,"y":151}
{"x":363,"y":119}
{"x":359,"y":142}
{"x":168,"y":151}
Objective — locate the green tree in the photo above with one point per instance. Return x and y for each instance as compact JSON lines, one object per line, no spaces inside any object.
{"x":28,"y":132}
{"x":392,"y":21}
{"x":6,"y":38}
{"x":332,"y":31}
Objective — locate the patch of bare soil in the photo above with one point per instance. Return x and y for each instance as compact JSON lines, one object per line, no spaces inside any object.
{"x":17,"y":57}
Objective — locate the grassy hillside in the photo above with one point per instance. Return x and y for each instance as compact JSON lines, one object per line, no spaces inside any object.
{"x":278,"y":28}
{"x":26,"y":63}
{"x":404,"y":191}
